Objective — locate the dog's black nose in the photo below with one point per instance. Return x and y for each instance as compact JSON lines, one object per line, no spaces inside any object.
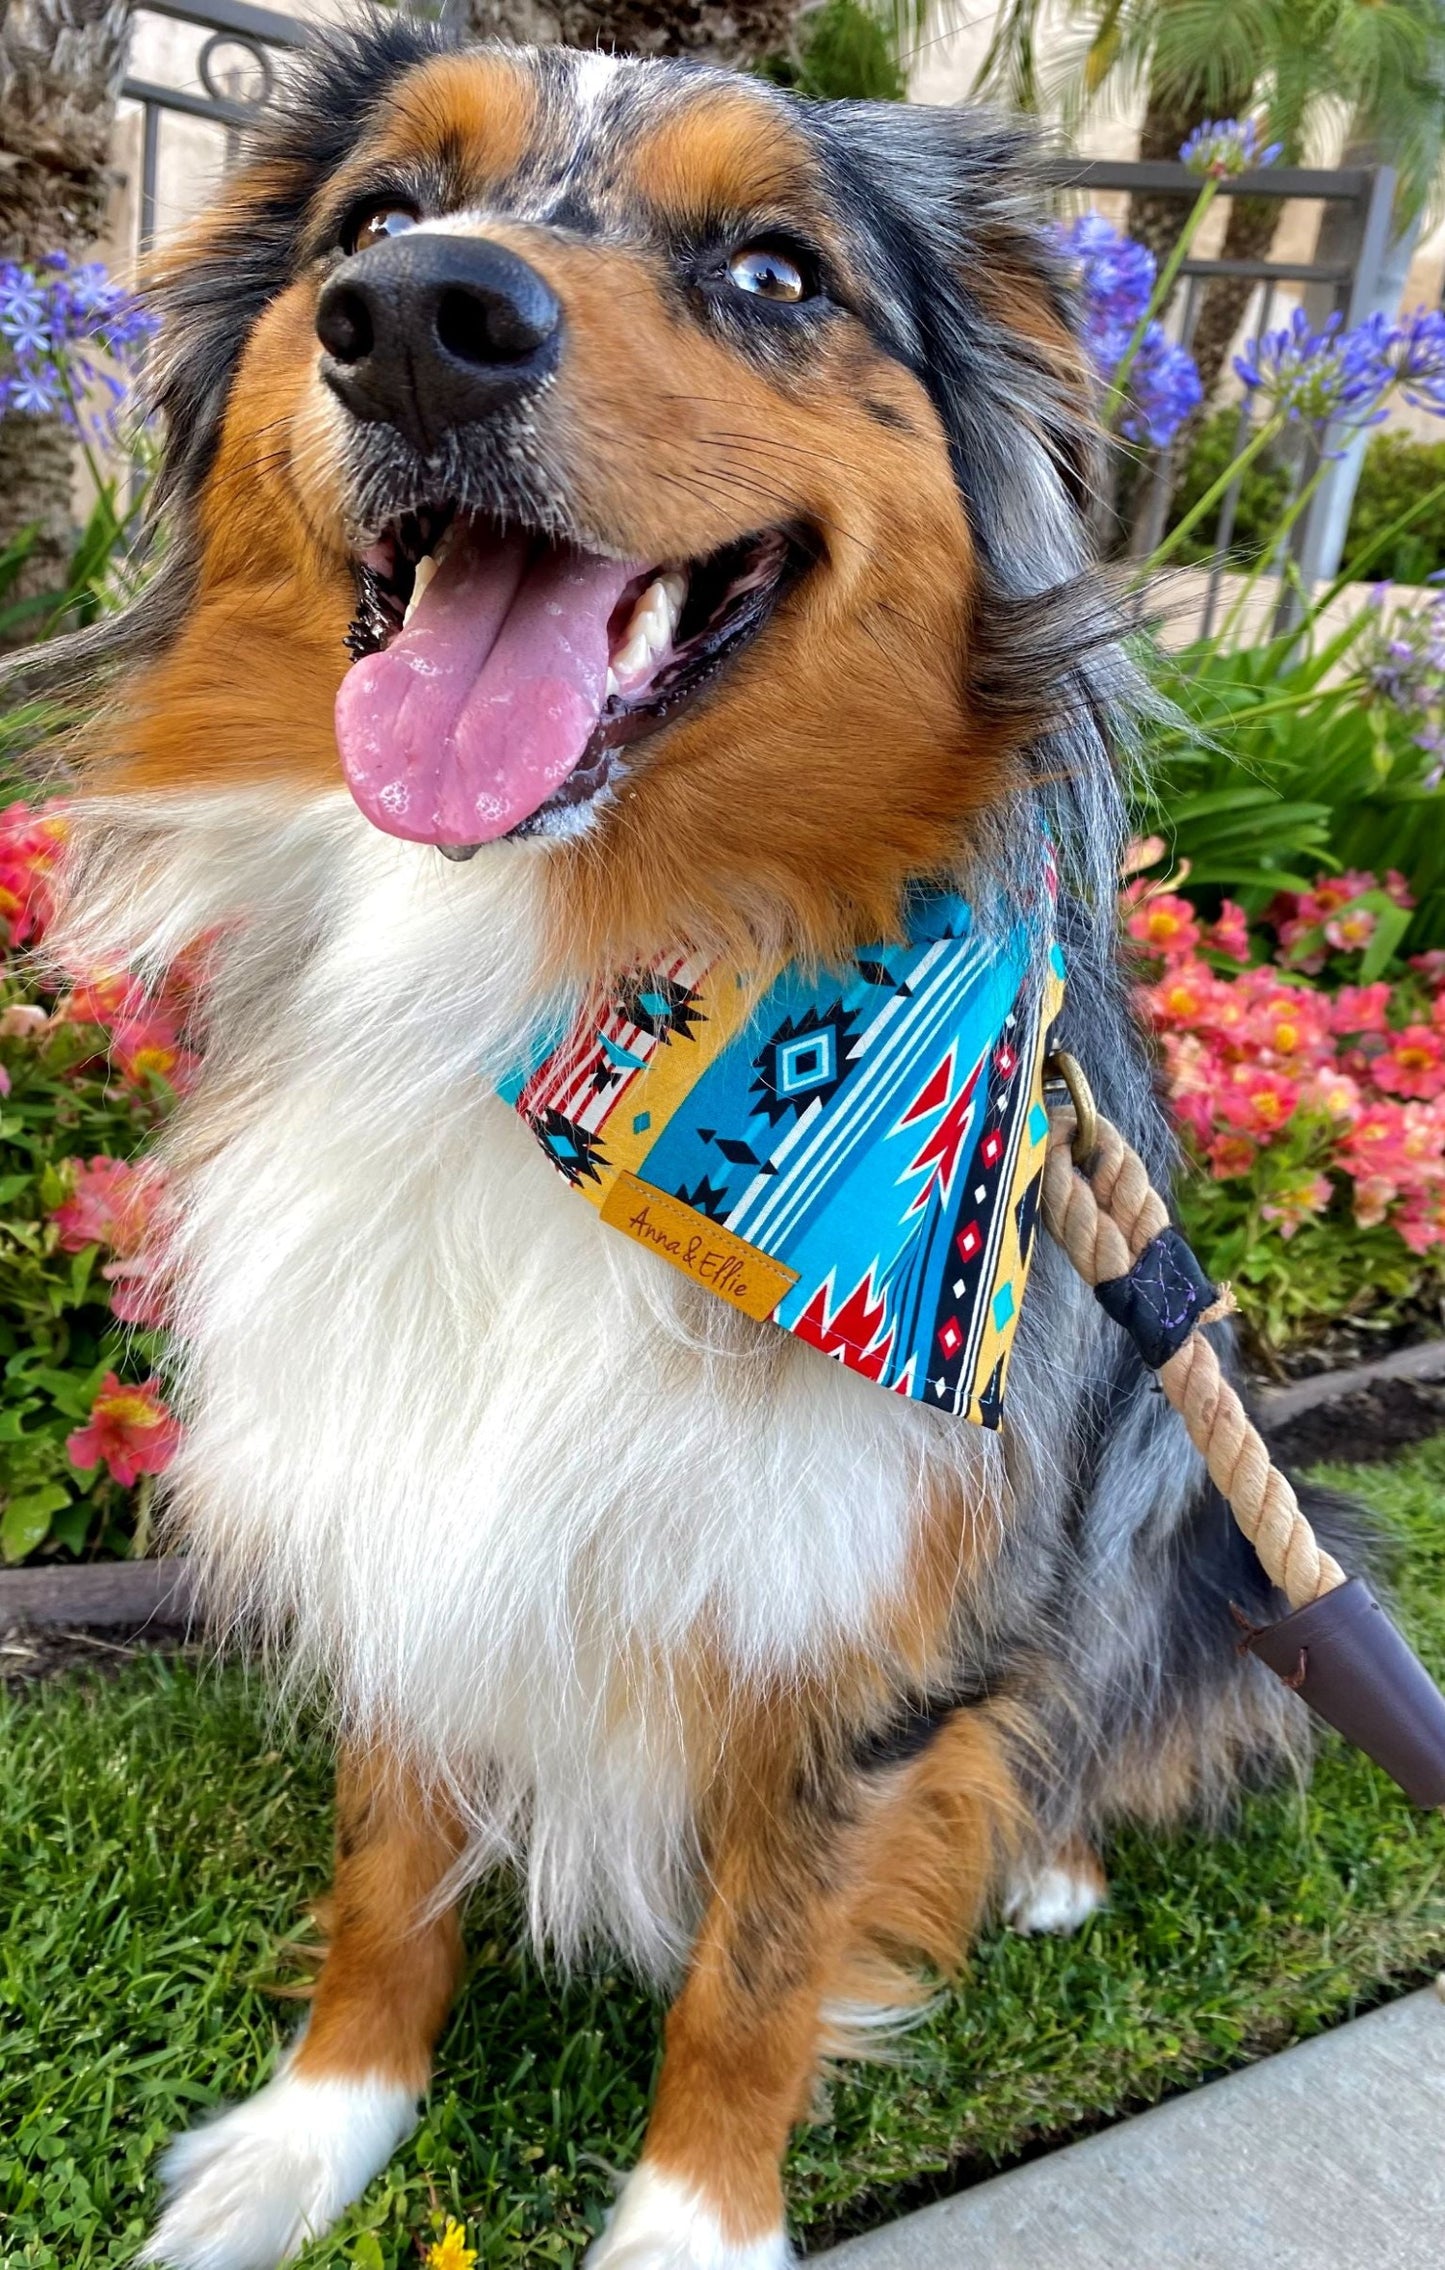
{"x":428,"y":330}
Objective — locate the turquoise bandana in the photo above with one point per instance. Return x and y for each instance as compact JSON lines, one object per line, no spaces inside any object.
{"x":854,"y":1154}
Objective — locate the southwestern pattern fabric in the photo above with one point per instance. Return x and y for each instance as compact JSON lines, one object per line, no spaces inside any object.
{"x":855,"y":1154}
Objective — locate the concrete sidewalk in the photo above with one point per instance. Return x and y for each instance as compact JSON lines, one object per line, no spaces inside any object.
{"x":1329,"y":2157}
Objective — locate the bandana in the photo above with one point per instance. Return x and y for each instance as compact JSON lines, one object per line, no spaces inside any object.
{"x":855,"y":1154}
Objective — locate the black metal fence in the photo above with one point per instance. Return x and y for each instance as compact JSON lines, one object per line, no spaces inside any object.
{"x":224,"y":84}
{"x":232,"y":70}
{"x":1359,"y":205}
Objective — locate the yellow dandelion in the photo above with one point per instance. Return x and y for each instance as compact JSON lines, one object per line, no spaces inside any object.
{"x":451,"y":2251}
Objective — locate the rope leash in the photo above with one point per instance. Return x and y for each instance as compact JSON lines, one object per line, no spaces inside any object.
{"x":1337,"y":1647}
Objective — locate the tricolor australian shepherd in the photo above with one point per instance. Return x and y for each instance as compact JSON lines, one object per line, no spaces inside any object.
{"x":608,"y":505}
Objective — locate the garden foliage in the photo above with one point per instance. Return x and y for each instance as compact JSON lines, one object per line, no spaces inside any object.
{"x":1292,"y":957}
{"x":85,"y":1073}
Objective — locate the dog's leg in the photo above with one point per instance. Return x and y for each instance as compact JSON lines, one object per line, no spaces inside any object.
{"x":247,"y":2190}
{"x":1057,"y":1894}
{"x":820,"y":1877}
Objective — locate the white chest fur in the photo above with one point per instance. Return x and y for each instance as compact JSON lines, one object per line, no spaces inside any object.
{"x":493,"y":1467}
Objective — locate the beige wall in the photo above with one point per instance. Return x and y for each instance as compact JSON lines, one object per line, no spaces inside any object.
{"x":944,"y":68}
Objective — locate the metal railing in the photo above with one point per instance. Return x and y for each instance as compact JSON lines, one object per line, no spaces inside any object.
{"x":1361,"y":202}
{"x":233,"y":29}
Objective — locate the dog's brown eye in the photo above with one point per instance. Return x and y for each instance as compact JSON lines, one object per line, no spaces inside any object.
{"x":767,"y":274}
{"x":374,"y":223}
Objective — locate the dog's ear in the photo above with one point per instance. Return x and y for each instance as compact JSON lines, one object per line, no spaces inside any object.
{"x":976,"y":296}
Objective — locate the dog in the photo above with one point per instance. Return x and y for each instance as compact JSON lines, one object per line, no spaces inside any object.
{"x":757,"y":434}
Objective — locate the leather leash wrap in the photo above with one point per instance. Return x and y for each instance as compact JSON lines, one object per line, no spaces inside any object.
{"x":1338,"y":1648}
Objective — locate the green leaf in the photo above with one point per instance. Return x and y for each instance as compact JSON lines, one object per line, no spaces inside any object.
{"x":26,"y":1520}
{"x":1391,"y":923}
{"x":366,"y":2252}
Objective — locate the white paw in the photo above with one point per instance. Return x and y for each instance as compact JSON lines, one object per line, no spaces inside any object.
{"x":661,"y":2224}
{"x":1056,"y":1898}
{"x":250,"y":2188}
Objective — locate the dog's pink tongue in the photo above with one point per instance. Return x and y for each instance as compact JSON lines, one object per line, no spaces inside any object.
{"x":483,"y":705}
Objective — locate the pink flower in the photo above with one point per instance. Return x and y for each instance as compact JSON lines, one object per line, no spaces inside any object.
{"x":1288,"y":1023}
{"x":1182,"y":996}
{"x":4,"y":1081}
{"x":148,"y":1045}
{"x":110,"y":1204}
{"x":1256,"y":1101}
{"x":30,"y":840}
{"x":1398,"y":889}
{"x":1431,"y":965}
{"x":129,"y":1431}
{"x":1351,"y":932}
{"x":1298,"y":1204}
{"x":1421,"y":1220}
{"x":1230,"y":1155}
{"x":1143,"y":851}
{"x":1161,"y":922}
{"x":102,"y":998}
{"x":1332,"y":1092}
{"x":1414,"y":1063}
{"x":1361,"y":1008}
{"x":1374,"y":1194}
{"x":1229,"y":933}
{"x":23,"y":1020}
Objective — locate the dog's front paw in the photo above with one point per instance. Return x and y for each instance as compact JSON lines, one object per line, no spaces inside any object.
{"x":662,"y":2224}
{"x":250,"y":2188}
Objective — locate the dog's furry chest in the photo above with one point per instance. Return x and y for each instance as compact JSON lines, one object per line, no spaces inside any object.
{"x":503,"y":1477}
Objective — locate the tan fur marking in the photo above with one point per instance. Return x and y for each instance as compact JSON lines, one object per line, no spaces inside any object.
{"x":391,"y":1966}
{"x":813,"y":1907}
{"x":471,"y":116}
{"x":723,"y":154}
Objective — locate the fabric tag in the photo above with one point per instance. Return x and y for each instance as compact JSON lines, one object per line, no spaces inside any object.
{"x":701,"y":1249}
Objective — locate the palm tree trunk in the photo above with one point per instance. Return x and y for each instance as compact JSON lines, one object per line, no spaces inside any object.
{"x":732,"y":32}
{"x":61,"y":65}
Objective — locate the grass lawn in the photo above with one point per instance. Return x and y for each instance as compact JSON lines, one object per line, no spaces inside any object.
{"x":155,"y":1848}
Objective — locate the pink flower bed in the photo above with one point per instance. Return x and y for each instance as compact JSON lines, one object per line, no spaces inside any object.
{"x":85,"y":1073}
{"x":1315,"y":1101}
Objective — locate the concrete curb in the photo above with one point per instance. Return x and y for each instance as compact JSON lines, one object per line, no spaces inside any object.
{"x":1276,"y":1406}
{"x":1326,"y":2157}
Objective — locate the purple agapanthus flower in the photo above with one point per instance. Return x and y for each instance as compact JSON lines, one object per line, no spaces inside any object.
{"x":1320,"y":378}
{"x":55,"y":319}
{"x":1223,"y":147}
{"x":1403,"y":663}
{"x":1164,"y":390}
{"x":1413,"y":351}
{"x":1116,"y":278}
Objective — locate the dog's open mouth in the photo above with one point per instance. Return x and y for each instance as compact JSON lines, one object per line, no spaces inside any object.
{"x":498,"y":674}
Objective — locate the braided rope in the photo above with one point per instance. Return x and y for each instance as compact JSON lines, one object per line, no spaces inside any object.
{"x":1103,"y":1214}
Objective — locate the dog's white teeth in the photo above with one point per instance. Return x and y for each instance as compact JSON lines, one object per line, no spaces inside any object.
{"x":426,"y":568}
{"x":651,"y":628}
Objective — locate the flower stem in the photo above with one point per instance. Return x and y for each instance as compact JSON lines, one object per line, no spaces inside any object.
{"x":1163,"y":286}
{"x":1267,"y":555}
{"x":1213,"y":493}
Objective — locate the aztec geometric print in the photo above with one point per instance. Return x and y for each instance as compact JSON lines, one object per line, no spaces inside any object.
{"x":854,"y":1153}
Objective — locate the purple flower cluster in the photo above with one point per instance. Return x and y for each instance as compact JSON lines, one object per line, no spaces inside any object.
{"x":1334,"y":377}
{"x":1403,"y":662}
{"x":1116,"y":277}
{"x":55,"y":318}
{"x":1223,"y":147}
{"x":1413,"y":352}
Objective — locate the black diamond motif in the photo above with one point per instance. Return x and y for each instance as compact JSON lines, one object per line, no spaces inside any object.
{"x":573,"y":1152}
{"x":659,"y":1005}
